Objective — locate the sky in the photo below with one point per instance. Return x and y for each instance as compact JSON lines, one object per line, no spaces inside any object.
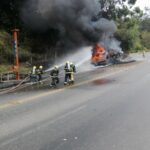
{"x":143,"y":3}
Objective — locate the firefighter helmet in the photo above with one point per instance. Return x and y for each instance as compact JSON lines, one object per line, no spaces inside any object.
{"x":41,"y":67}
{"x":56,"y":67}
{"x":34,"y":67}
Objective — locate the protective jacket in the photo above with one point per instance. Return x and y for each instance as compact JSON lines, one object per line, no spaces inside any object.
{"x":54,"y":73}
{"x":67,"y":68}
{"x":40,"y":71}
{"x":73,"y":68}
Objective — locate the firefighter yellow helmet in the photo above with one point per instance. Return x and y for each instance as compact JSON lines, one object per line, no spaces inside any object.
{"x":34,"y":67}
{"x":56,"y":67}
{"x":41,"y":67}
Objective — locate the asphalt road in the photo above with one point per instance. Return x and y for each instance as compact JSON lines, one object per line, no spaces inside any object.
{"x":107,"y":109}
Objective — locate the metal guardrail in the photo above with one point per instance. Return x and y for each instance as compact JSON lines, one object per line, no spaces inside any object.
{"x":6,"y":76}
{"x":8,"y":80}
{"x":10,"y":76}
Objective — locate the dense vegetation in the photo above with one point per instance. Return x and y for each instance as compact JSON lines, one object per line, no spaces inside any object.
{"x":133,"y":30}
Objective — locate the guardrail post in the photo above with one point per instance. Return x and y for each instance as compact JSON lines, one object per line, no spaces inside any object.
{"x":1,"y":77}
{"x":7,"y":76}
{"x":15,"y":38}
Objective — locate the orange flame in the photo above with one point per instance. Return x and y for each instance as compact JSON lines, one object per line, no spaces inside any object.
{"x":98,"y":54}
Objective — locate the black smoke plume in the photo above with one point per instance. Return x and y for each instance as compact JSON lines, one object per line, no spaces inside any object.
{"x":72,"y":18}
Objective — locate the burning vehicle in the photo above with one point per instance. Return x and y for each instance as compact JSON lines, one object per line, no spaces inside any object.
{"x":99,"y":55}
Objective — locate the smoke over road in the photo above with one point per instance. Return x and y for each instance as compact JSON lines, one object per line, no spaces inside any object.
{"x":72,"y":18}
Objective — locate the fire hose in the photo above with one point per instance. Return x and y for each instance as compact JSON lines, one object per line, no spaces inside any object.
{"x":18,"y":86}
{"x":5,"y":91}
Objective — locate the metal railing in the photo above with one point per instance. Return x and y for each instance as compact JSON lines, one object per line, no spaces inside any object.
{"x":10,"y":76}
{"x":6,"y":76}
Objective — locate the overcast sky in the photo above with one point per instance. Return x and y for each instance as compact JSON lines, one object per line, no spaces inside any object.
{"x":143,"y":3}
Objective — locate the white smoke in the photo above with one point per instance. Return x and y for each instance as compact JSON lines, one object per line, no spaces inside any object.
{"x":111,"y":43}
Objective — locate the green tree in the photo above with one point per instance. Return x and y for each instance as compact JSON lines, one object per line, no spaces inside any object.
{"x":127,"y":20}
{"x":129,"y":35}
{"x":115,"y":9}
{"x":145,"y":39}
{"x":145,"y":24}
{"x":145,"y":29}
{"x":129,"y":28}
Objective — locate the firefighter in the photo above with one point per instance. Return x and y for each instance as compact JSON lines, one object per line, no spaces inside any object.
{"x":40,"y":72}
{"x":73,"y":70}
{"x":54,"y":76}
{"x":34,"y":70}
{"x":67,"y":69}
{"x":33,"y":74}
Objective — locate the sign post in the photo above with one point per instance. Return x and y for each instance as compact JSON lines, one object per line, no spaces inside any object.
{"x":15,"y":45}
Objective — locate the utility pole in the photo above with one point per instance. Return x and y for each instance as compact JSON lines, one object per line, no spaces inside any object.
{"x":15,"y":45}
